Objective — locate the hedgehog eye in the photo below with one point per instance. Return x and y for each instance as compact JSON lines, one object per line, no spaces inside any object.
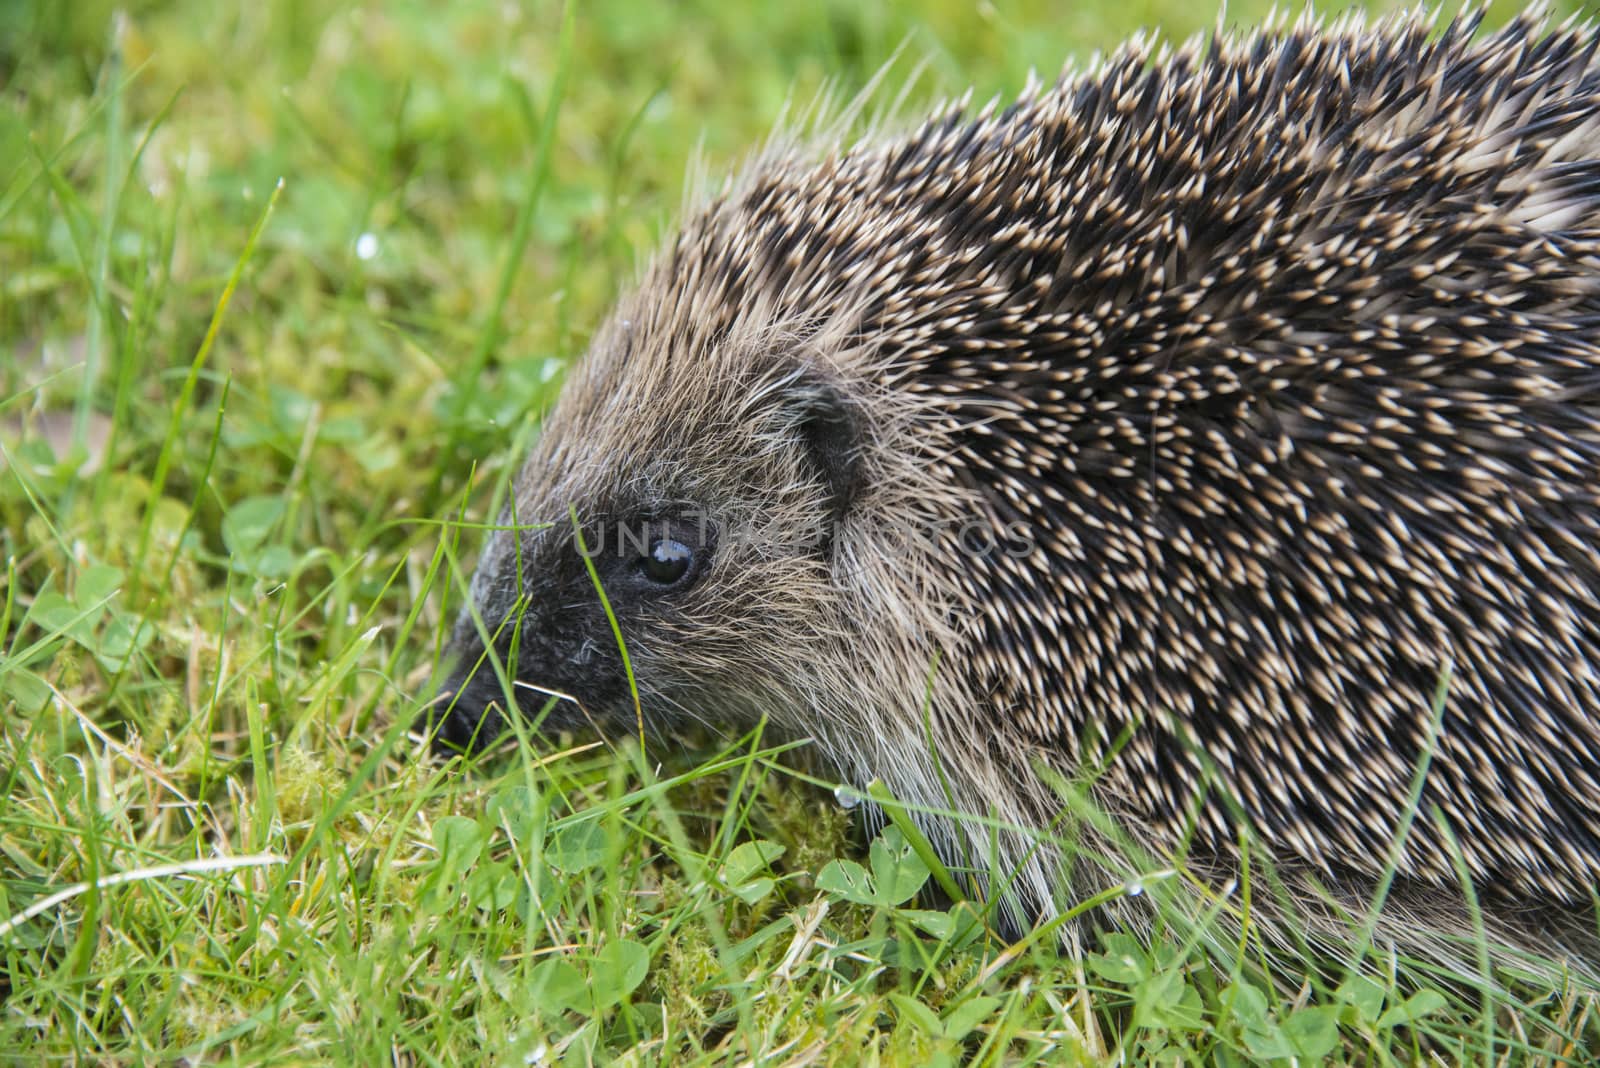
{"x":667,"y":561}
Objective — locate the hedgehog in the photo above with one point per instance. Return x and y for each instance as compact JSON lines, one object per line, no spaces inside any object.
{"x":1215,"y":431}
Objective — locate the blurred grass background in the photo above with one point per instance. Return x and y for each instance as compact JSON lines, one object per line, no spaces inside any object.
{"x":228,"y":470}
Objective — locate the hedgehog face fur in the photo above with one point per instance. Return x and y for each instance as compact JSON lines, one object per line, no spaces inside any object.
{"x":1214,"y":400}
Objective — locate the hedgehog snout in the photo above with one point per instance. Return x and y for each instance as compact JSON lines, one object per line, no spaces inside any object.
{"x":468,"y":713}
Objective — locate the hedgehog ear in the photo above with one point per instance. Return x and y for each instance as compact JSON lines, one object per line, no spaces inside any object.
{"x":829,"y":430}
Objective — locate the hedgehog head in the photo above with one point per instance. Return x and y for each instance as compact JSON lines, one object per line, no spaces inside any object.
{"x":705,"y":524}
{"x":707,"y":472}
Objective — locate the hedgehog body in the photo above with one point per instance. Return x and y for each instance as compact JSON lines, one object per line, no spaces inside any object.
{"x":1189,"y":421}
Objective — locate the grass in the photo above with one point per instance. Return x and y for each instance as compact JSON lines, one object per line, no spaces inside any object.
{"x":283,"y":288}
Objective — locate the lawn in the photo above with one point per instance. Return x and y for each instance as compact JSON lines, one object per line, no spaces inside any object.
{"x":284,"y":287}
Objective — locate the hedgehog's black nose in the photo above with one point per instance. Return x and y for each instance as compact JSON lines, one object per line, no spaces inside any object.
{"x":466,"y":716}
